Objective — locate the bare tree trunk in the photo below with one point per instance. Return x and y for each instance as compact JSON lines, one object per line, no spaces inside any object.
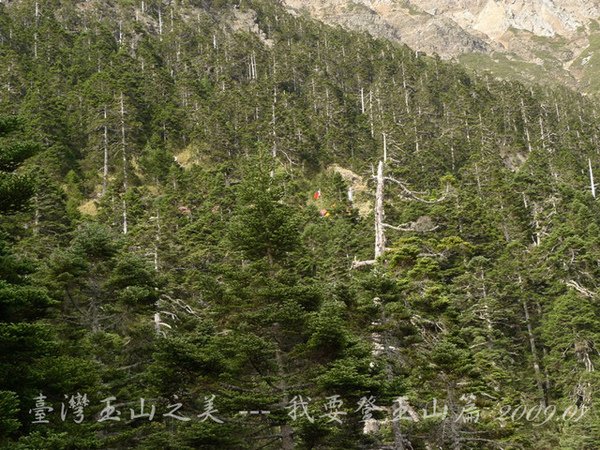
{"x":314,"y":94}
{"x":36,"y":216}
{"x":416,"y":129}
{"x":534,"y":353}
{"x":404,"y":86}
{"x":124,"y":216}
{"x":380,"y":226}
{"x":273,"y":121}
{"x":124,"y":152}
{"x":157,"y":323}
{"x":35,"y":35}
{"x":172,"y":19}
{"x":542,"y":133}
{"x":478,"y":179}
{"x":481,"y":134}
{"x":527,"y":136}
{"x":371,"y":112}
{"x":362,"y":100}
{"x":105,"y":144}
{"x":160,"y":22}
{"x":592,"y":185}
{"x":156,"y":240}
{"x":537,"y":239}
{"x":252,"y":66}
{"x":327,"y":110}
{"x":379,"y":213}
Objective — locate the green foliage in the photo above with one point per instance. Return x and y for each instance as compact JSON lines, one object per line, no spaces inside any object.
{"x":234,"y":279}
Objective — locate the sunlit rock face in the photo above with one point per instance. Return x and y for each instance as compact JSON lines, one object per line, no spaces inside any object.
{"x":539,"y":32}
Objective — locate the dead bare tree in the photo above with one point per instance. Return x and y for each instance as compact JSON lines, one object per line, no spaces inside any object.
{"x":592,"y":185}
{"x":378,"y":339}
{"x":421,"y":225}
{"x":105,"y":148}
{"x":124,"y":155}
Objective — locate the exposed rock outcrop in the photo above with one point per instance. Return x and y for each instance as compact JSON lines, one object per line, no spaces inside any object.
{"x":540,"y":32}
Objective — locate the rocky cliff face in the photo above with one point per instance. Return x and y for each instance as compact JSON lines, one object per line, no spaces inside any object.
{"x":543,"y":36}
{"x":404,"y":21}
{"x":494,"y":18}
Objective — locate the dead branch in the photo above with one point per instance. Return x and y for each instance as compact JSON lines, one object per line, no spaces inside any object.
{"x":413,"y":194}
{"x":422,"y":225}
{"x":579,"y":288}
{"x":357,"y":264}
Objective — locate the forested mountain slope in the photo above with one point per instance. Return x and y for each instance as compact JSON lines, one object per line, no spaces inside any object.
{"x":204,"y":180}
{"x":548,"y":41}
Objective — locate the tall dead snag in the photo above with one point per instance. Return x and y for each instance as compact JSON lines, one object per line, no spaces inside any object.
{"x":378,"y":339}
{"x":592,"y":185}
{"x":273,"y":123}
{"x":252,"y":74}
{"x":371,"y":113}
{"x":534,"y":353}
{"x":539,"y":379}
{"x":105,"y":148}
{"x":35,"y":34}
{"x":526,"y":126}
{"x":362,"y":100}
{"x":379,"y":213}
{"x":124,"y":155}
{"x":380,"y":225}
{"x":160,"y":22}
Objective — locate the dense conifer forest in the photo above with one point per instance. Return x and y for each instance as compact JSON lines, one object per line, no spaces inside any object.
{"x":227,"y":226}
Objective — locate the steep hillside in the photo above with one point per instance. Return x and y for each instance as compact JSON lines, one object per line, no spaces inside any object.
{"x":229,"y":226}
{"x":542,"y":41}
